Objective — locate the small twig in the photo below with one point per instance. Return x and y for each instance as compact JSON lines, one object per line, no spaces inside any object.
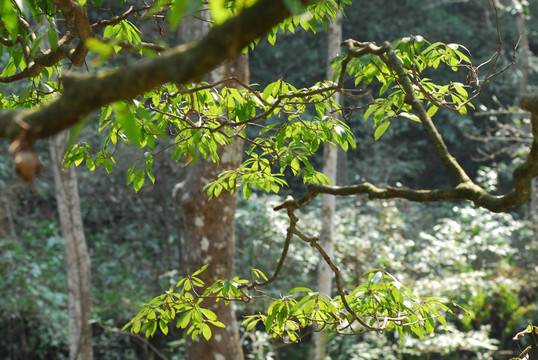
{"x":117,"y":19}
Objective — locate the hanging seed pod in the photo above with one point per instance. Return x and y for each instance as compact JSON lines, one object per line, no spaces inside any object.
{"x":26,"y":163}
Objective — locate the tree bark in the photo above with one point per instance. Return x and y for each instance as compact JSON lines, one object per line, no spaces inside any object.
{"x":524,"y":63}
{"x":209,"y":226}
{"x":76,"y":253}
{"x":330,"y":156}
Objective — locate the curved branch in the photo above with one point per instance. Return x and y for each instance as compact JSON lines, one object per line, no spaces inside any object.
{"x":429,"y":128}
{"x":520,"y":194}
{"x":46,"y":58}
{"x":290,"y":205}
{"x":186,"y":63}
{"x":77,"y":20}
{"x":466,"y":188}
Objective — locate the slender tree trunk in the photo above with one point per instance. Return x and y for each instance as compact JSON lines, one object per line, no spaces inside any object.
{"x":330,"y":155}
{"x":77,"y":257}
{"x":76,"y":253}
{"x":209,"y":226}
{"x":524,"y":61}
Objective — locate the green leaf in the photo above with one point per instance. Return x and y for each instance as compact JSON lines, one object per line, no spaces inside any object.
{"x":416,"y":330}
{"x":104,"y":50}
{"x":251,"y":324}
{"x":247,"y":191}
{"x":150,"y":330}
{"x":299,"y":289}
{"x":136,"y":327}
{"x":381,"y":129}
{"x":9,"y":17}
{"x":432,"y":110}
{"x":139,"y":179}
{"x":184,"y":320}
{"x":90,"y":164}
{"x":371,"y":110}
{"x":199,"y":271}
{"x":126,"y":119}
{"x":259,"y":274}
{"x":53,"y":38}
{"x":218,"y":11}
{"x":217,"y":324}
{"x":206,"y":331}
{"x":163,"y":326}
{"x":35,"y":44}
{"x":210,"y":315}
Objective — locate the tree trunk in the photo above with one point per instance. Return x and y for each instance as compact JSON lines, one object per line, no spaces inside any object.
{"x":76,"y":253}
{"x":209,"y":226}
{"x":524,"y":63}
{"x":330,"y":155}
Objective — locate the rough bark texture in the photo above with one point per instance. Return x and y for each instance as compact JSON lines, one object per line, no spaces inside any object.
{"x":209,"y":226}
{"x":76,"y":254}
{"x":330,"y":155}
{"x":524,"y":60}
{"x":209,"y":239}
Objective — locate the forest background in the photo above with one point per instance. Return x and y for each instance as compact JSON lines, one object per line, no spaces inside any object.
{"x":482,"y":260}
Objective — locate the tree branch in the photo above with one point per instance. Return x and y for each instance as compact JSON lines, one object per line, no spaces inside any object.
{"x":467,"y":190}
{"x":186,"y":63}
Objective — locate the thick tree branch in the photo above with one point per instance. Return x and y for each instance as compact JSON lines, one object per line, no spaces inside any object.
{"x":520,"y":194}
{"x":85,"y":93}
{"x":77,"y":21}
{"x":466,"y":188}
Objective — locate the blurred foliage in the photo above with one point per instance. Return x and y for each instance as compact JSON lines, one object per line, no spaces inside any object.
{"x":34,"y":315}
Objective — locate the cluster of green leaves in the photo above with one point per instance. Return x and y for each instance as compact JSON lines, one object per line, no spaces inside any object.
{"x":132,"y":124}
{"x":10,"y":12}
{"x":383,"y":301}
{"x":308,"y":18}
{"x":221,"y":10}
{"x":184,"y":303}
{"x":286,"y":145}
{"x":201,"y":118}
{"x":417,"y":56}
{"x":124,"y":30}
{"x":24,"y":47}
